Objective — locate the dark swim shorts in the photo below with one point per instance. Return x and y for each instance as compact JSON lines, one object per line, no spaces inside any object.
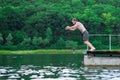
{"x":85,"y":36}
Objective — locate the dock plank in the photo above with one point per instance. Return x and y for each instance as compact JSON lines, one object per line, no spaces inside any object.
{"x":104,"y":53}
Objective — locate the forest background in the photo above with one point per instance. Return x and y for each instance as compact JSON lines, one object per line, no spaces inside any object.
{"x":40,"y":24}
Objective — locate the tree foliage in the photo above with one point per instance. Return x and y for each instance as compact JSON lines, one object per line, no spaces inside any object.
{"x":1,"y":39}
{"x":9,"y":39}
{"x":41,"y":23}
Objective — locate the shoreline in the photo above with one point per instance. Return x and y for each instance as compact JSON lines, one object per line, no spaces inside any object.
{"x":48,"y":51}
{"x":43,"y":51}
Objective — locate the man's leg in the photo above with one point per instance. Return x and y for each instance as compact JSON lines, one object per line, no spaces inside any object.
{"x":90,"y":45}
{"x":86,"y":41}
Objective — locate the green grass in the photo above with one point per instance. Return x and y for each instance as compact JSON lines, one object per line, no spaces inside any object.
{"x":43,"y":51}
{"x":47,"y":51}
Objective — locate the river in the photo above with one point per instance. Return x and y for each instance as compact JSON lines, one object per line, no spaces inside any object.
{"x":52,"y":67}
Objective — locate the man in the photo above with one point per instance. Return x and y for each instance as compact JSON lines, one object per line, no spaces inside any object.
{"x":79,"y":26}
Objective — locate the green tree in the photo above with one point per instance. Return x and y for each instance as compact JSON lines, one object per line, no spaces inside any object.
{"x":71,"y":44}
{"x":60,"y":43}
{"x":1,"y":39}
{"x":89,"y":2}
{"x":18,"y":37}
{"x":26,"y":42}
{"x":48,"y":18}
{"x":13,"y":20}
{"x":9,"y":39}
{"x":108,"y":20}
{"x":45,"y":42}
{"x":37,"y":41}
{"x":49,"y":34}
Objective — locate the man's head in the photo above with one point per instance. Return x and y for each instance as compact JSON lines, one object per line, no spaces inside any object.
{"x":74,"y":20}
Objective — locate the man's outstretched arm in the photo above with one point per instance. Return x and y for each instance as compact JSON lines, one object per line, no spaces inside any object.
{"x":74,"y":27}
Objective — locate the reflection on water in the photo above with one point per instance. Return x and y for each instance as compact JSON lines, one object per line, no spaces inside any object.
{"x":52,"y":67}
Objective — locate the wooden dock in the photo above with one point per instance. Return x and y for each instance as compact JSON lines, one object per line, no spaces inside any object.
{"x":102,"y":58}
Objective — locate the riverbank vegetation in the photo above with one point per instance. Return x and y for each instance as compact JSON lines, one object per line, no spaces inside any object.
{"x":43,"y":51}
{"x":39,"y":24}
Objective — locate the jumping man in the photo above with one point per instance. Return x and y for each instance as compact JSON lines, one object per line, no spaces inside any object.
{"x":80,"y":26}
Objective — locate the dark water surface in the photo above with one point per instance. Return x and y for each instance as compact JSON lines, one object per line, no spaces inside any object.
{"x":52,"y":67}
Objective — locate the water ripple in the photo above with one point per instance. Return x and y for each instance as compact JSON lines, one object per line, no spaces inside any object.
{"x":58,"y":73}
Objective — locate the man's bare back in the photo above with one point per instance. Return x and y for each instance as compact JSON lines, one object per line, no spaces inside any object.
{"x":80,"y":27}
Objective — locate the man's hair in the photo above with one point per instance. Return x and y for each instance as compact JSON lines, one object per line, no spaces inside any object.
{"x":74,"y":19}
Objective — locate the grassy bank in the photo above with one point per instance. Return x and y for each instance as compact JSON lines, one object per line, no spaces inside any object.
{"x":47,"y":51}
{"x":43,"y":51}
